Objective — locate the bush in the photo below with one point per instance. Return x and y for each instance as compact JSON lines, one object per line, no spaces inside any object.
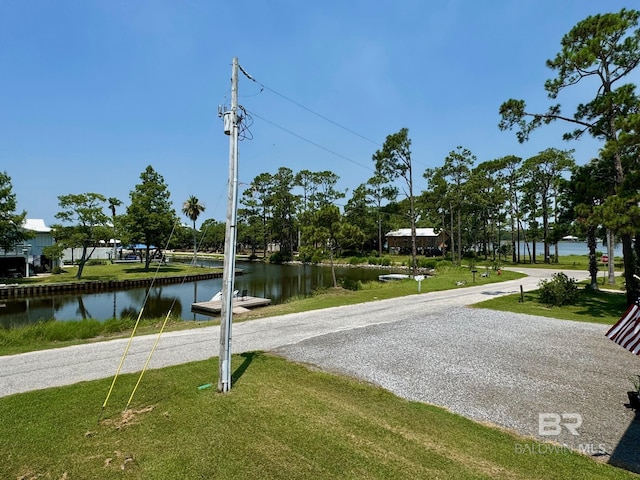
{"x":560,"y":290}
{"x":443,"y":266}
{"x":279,"y":257}
{"x":350,"y":284}
{"x":305,"y":254}
{"x":356,"y":261}
{"x":385,"y":261}
{"x":96,"y":261}
{"x":427,"y":263}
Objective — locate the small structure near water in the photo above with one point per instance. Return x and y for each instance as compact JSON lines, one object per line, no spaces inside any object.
{"x":240,"y":304}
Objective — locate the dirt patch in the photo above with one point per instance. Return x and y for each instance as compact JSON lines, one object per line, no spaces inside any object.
{"x":121,"y":461}
{"x":29,"y":475}
{"x":127,"y":418}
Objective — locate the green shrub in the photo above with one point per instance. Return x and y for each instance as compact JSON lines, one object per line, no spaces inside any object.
{"x":305,"y":254}
{"x":95,"y":261}
{"x":560,"y":290}
{"x":350,"y":284}
{"x":385,"y":261}
{"x":316,"y":258}
{"x":374,"y":261}
{"x":427,"y":263}
{"x":356,"y":261}
{"x":279,"y":257}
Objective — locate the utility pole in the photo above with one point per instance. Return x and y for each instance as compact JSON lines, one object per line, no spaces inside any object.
{"x":228,"y":275}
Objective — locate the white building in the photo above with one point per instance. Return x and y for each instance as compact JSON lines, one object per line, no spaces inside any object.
{"x":13,"y":262}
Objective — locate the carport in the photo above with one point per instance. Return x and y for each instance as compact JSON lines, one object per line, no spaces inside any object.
{"x":12,"y":267}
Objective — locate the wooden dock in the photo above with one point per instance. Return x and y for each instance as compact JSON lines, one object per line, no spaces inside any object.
{"x":240,"y":305}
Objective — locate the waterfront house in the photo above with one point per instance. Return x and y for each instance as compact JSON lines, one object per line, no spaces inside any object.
{"x":428,"y":242}
{"x":14,"y":261}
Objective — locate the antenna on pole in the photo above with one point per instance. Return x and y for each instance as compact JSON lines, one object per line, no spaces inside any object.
{"x":228,"y":276}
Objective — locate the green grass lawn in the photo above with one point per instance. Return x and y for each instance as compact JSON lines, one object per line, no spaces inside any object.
{"x":115,"y":271}
{"x":598,"y":307}
{"x":445,"y":279}
{"x":280,"y":421}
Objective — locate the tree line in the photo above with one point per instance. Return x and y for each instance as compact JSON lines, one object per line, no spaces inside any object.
{"x":478,"y":205}
{"x":89,"y":220}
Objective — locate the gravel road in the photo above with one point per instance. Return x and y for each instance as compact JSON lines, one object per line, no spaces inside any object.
{"x":502,"y":368}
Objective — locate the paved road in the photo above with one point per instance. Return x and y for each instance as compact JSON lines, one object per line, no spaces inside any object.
{"x":497,"y":367}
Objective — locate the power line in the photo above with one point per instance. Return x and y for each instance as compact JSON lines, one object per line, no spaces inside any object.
{"x":264,"y":87}
{"x":311,"y":142}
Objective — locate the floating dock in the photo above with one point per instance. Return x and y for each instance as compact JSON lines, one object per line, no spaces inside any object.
{"x":240,"y":305}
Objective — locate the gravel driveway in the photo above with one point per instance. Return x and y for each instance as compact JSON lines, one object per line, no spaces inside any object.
{"x":502,"y":368}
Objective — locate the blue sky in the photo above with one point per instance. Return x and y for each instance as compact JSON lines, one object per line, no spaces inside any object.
{"x":91,"y":92}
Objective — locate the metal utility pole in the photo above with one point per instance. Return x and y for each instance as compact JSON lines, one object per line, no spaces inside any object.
{"x":228,"y":275}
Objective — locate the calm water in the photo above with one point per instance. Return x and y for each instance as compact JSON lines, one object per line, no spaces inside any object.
{"x":277,"y":282}
{"x":569,"y":248}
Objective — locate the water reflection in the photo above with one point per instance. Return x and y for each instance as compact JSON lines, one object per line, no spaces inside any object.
{"x":277,"y":282}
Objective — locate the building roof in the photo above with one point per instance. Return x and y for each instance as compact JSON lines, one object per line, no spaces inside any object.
{"x":406,"y":232}
{"x":36,"y":225}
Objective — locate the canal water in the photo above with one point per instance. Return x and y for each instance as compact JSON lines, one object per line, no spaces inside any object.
{"x":568,"y":248}
{"x":277,"y":282}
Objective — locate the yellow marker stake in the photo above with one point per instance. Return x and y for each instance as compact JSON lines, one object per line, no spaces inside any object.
{"x":148,"y":360}
{"x":124,"y":355}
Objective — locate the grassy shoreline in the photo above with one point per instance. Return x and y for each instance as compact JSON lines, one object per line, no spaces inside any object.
{"x":114,"y":271}
{"x":597,"y":307}
{"x":55,"y":334}
{"x":592,"y":306}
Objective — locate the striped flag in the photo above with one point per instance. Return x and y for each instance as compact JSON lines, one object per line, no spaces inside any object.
{"x":626,"y":332}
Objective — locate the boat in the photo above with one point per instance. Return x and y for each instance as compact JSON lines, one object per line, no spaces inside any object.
{"x":393,"y":276}
{"x":218,"y":296}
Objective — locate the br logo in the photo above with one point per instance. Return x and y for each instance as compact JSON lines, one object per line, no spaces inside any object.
{"x":552,"y":423}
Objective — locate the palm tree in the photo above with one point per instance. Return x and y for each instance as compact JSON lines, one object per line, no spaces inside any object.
{"x":113,"y":203}
{"x":192,"y":208}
